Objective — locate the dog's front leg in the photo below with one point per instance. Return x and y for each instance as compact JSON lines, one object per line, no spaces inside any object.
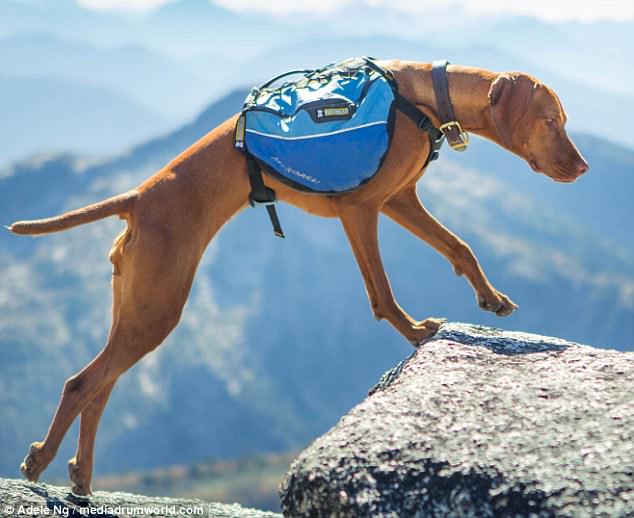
{"x":407,"y":210}
{"x":360,"y":225}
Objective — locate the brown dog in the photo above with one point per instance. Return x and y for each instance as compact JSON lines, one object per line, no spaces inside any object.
{"x":173,"y":216}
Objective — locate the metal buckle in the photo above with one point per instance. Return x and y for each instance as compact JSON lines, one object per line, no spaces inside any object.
{"x":240,"y":130}
{"x":256,"y":203}
{"x":463,"y":135}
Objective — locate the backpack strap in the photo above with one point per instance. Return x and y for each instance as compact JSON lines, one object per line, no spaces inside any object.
{"x":411,"y":110}
{"x":423,"y":122}
{"x":262,"y":195}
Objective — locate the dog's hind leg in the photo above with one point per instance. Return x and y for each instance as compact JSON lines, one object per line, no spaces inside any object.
{"x":80,"y":466}
{"x":407,"y":210}
{"x":156,"y":273}
{"x":360,"y":224}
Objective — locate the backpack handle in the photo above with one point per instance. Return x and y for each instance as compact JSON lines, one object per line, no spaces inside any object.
{"x":289,"y":73}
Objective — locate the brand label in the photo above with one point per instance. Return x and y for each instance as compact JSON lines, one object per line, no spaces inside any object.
{"x":339,"y":111}
{"x":336,"y":112}
{"x":294,"y":172}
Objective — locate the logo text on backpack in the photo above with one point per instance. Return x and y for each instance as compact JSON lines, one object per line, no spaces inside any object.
{"x":294,"y":172}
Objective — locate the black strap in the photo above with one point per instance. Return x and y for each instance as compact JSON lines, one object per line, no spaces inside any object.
{"x":411,"y":110}
{"x":261,"y":195}
{"x":457,"y":138}
{"x":423,"y":122}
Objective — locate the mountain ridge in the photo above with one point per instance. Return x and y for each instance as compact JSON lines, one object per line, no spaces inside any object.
{"x":36,"y":118}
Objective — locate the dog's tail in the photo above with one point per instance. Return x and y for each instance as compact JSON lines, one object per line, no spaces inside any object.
{"x":116,"y":205}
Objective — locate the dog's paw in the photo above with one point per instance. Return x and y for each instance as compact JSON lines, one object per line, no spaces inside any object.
{"x":499,"y":304}
{"x":424,"y":330}
{"x":33,"y":463}
{"x":77,"y":475}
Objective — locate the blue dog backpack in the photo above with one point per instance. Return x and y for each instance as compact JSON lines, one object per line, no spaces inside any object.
{"x":326,"y":132}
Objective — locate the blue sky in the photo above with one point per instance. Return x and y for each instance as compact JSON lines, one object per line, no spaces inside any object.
{"x":549,"y":10}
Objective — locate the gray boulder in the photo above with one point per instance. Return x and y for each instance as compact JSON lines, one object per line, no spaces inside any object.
{"x":23,"y":499}
{"x":480,"y":422}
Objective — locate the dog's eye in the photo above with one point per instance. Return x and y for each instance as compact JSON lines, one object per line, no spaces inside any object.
{"x":552,"y":123}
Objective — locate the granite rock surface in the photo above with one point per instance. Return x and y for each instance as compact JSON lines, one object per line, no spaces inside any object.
{"x":25,"y":499}
{"x":480,"y":422}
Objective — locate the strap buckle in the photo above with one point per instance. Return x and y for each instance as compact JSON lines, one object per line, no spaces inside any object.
{"x":240,"y":132}
{"x":255,"y":203}
{"x":458,"y":138}
{"x":263,"y":203}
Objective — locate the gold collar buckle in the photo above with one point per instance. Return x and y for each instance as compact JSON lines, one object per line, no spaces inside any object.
{"x":458,"y":140}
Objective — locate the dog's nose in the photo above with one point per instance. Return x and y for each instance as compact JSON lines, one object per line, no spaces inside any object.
{"x":582,"y":167}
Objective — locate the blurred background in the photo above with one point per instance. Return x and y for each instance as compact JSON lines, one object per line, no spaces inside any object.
{"x":277,"y":340}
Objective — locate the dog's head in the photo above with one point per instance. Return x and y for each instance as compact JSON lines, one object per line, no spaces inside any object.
{"x":530,"y":122}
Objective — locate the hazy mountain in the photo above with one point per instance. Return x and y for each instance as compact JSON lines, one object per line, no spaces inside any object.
{"x":61,"y":95}
{"x":42,"y":114}
{"x":159,"y":83}
{"x":199,"y":26}
{"x":595,"y":54}
{"x":590,"y":53}
{"x":63,"y":18}
{"x":266,"y":355}
{"x":179,"y":29}
{"x":606,"y":190}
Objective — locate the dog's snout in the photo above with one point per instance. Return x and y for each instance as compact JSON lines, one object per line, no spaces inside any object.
{"x":582,"y":166}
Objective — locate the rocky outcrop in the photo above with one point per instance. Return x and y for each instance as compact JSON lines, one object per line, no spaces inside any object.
{"x":480,"y":422}
{"x":24,"y":499}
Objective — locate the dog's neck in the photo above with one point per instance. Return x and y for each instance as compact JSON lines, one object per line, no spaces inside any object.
{"x":468,"y":89}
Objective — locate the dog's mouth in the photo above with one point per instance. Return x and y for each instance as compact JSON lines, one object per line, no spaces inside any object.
{"x":556,"y":173}
{"x":534,"y":166}
{"x":563,"y":175}
{"x":565,"y":179}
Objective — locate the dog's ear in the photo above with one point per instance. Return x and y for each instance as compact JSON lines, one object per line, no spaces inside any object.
{"x":509,"y":97}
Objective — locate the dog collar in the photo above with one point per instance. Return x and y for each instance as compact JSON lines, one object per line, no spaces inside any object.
{"x":457,"y":138}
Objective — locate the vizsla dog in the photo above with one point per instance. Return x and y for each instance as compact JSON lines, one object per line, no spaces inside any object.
{"x":173,"y":215}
